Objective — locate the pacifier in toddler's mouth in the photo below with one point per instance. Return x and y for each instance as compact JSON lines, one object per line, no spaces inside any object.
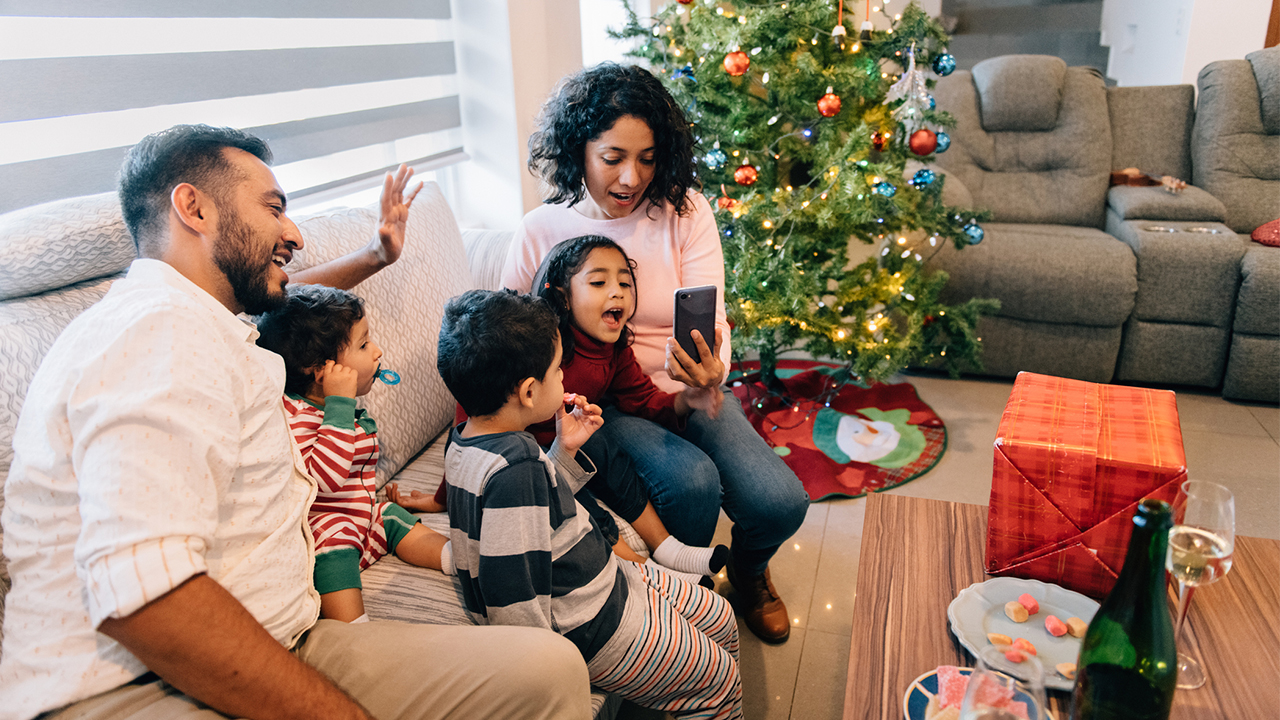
{"x":390,"y":377}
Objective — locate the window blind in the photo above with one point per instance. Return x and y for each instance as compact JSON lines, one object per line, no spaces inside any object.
{"x":342,"y":90}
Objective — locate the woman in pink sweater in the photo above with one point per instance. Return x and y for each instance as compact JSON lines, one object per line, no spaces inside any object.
{"x":619,"y":155}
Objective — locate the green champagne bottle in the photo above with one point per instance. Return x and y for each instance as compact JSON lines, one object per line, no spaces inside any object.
{"x":1128,"y":666}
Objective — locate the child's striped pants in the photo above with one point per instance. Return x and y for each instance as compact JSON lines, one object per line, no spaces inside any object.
{"x":685,"y":658}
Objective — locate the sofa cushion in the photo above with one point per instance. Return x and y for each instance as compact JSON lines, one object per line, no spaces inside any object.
{"x":1020,"y":93}
{"x":1151,"y":128}
{"x":1044,"y":273}
{"x":487,"y":254}
{"x":1185,"y":276}
{"x":1258,"y":303}
{"x":61,"y":243}
{"x":405,"y":303}
{"x":1266,"y":71}
{"x":1055,"y":177}
{"x":1154,"y":203}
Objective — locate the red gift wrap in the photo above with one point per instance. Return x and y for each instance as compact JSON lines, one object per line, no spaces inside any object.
{"x":1072,"y":460}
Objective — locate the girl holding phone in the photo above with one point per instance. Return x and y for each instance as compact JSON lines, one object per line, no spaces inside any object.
{"x":618,"y":154}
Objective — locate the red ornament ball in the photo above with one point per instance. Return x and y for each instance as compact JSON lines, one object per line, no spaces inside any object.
{"x":686,"y":2}
{"x":878,"y":140}
{"x":923,"y":142}
{"x":736,"y":63}
{"x":829,"y":105}
{"x":726,"y":203}
{"x":746,"y":175}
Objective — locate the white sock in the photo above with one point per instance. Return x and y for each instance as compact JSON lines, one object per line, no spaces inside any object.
{"x":446,"y":559}
{"x":687,"y":577}
{"x":362,"y":619}
{"x":701,"y":560}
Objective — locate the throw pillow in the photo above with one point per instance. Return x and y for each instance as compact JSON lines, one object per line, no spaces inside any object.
{"x":1268,"y":234}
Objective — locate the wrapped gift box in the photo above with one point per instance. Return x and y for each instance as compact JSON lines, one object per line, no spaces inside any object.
{"x":1072,"y":460}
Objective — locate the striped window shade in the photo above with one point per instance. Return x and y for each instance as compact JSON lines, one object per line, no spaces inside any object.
{"x":342,"y":90}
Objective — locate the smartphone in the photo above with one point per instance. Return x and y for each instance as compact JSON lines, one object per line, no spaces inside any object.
{"x":695,"y":309}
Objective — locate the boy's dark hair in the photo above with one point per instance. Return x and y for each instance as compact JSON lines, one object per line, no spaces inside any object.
{"x":490,"y":342}
{"x":311,"y":328}
{"x":551,"y":283}
{"x":163,"y":160}
{"x":588,"y":103}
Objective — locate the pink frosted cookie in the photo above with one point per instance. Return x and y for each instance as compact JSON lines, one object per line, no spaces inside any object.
{"x":1029,"y":603}
{"x":1056,"y":627}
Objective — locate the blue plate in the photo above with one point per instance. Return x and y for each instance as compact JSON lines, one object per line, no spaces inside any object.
{"x":926,"y":686}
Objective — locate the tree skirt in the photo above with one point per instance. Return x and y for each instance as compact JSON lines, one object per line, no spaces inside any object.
{"x":841,"y":437}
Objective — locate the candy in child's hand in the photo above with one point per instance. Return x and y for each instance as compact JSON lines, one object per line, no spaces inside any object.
{"x":1014,"y":656}
{"x":1056,"y":627}
{"x":1077,"y":627}
{"x":1029,"y":603}
{"x":1025,"y":646}
{"x":1016,"y":611}
{"x":998,"y":639}
{"x":1066,"y":670}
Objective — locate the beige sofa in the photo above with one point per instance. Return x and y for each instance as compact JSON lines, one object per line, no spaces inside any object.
{"x":59,"y":258}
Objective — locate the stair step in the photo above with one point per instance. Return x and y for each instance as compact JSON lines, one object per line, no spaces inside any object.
{"x":1065,"y":17}
{"x":1075,"y":48}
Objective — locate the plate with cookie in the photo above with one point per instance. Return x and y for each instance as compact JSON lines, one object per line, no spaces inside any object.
{"x":938,"y":694}
{"x":1024,"y":617}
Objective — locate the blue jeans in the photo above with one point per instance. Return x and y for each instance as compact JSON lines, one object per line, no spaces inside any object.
{"x":713,"y":464}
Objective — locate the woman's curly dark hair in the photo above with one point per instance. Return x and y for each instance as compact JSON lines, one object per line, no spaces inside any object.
{"x":587,"y":104}
{"x":551,"y":283}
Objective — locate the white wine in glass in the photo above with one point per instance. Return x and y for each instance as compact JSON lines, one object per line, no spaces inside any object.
{"x":1200,"y":549}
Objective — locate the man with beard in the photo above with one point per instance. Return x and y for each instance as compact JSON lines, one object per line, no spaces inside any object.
{"x":155,"y":516}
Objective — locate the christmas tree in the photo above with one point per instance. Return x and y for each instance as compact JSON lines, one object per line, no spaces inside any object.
{"x":805,"y":129}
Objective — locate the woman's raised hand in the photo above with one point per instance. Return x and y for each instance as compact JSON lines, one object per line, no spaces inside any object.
{"x":682,"y":368}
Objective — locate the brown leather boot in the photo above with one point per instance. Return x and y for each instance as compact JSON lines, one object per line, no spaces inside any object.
{"x":760,"y":606}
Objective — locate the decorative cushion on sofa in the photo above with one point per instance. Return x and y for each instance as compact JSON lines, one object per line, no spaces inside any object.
{"x":1020,"y":93}
{"x":1153,"y":203}
{"x":62,"y":242}
{"x":1266,"y":70}
{"x":405,"y":303}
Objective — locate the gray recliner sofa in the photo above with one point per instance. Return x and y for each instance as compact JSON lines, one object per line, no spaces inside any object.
{"x":1099,"y":283}
{"x":1236,"y":157}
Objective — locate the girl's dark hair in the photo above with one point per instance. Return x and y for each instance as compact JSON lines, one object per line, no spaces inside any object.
{"x":587,"y":104}
{"x":312,"y":327}
{"x":551,"y":283}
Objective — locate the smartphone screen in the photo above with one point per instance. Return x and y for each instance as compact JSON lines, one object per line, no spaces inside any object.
{"x":695,"y":309}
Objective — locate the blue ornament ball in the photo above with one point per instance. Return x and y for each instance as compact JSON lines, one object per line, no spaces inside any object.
{"x":944,"y":64}
{"x":922,"y":178}
{"x":716,"y":159}
{"x":933,"y":104}
{"x":944,"y":142}
{"x":975,"y":233}
{"x":885,"y":189}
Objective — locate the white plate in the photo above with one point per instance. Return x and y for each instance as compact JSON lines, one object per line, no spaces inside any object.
{"x":979,"y":609}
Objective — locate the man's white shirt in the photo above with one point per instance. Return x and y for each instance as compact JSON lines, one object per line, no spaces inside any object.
{"x":152,"y":447}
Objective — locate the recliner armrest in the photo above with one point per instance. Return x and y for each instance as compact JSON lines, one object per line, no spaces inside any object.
{"x":1154,"y":203}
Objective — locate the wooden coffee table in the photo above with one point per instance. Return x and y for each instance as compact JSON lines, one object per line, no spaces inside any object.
{"x":917,"y":555}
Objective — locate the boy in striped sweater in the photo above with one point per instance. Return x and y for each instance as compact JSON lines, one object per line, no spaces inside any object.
{"x":528,"y":554}
{"x":330,"y":359}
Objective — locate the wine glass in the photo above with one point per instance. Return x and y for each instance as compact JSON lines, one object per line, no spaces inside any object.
{"x":996,"y":682}
{"x":1200,"y":547}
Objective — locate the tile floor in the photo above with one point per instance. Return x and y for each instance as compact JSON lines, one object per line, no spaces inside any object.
{"x":1236,"y":444}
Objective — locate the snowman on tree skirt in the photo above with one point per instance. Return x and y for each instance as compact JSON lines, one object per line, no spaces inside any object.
{"x":883,"y":438}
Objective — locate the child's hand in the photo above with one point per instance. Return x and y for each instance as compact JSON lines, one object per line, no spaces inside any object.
{"x":414,"y":500}
{"x":335,"y":379}
{"x":708,"y":400}
{"x":573,"y":429}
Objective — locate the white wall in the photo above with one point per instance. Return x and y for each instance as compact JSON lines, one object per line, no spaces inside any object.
{"x":510,"y":55}
{"x":1167,"y":42}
